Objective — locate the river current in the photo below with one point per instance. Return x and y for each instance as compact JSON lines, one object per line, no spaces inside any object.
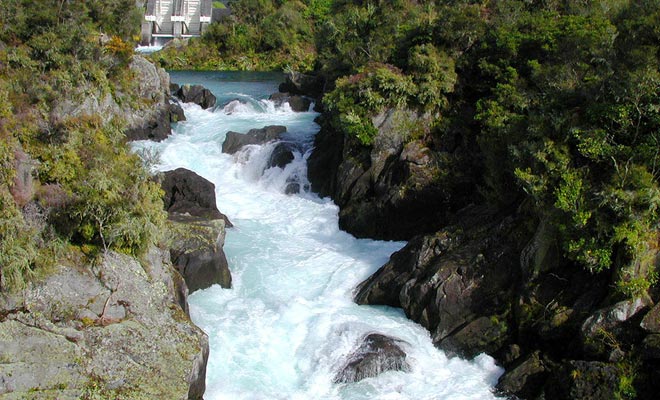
{"x":287,"y":325}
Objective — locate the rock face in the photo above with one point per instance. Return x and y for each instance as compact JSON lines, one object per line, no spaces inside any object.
{"x":113,"y":329}
{"x":152,"y":122}
{"x":196,"y":94}
{"x":297,"y":103}
{"x":457,"y":283}
{"x":301,"y":84}
{"x":376,"y":354}
{"x":148,"y":110}
{"x":485,"y":284}
{"x":198,"y":229}
{"x":390,"y":190}
{"x":196,"y":251}
{"x":234,"y":141}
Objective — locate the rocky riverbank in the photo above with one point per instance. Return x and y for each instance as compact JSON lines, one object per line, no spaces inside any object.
{"x":485,"y":278}
{"x":102,"y":324}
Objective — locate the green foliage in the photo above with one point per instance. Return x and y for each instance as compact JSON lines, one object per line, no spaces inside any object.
{"x":258,"y":35}
{"x":359,"y":97}
{"x":90,"y":190}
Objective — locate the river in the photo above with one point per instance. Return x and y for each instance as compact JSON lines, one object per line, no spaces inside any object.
{"x":285,"y":328}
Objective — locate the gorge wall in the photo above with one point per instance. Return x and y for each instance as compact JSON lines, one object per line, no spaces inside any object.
{"x":486,"y":278}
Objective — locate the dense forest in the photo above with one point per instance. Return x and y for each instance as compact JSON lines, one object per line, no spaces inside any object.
{"x":556,"y":103}
{"x":91,"y":192}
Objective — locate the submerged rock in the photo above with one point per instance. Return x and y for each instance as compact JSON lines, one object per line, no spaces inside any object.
{"x":113,"y":329}
{"x":376,"y":354}
{"x":234,"y":141}
{"x":197,"y":94}
{"x":281,"y":156}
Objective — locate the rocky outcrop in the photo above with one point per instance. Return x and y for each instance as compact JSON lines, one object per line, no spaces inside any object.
{"x":196,"y":94}
{"x":196,"y":249}
{"x":488,"y":284}
{"x":153,"y":121}
{"x":296,"y":102}
{"x":376,"y":354}
{"x":112,"y":329}
{"x":392,"y":189}
{"x":457,"y":283}
{"x":234,"y":141}
{"x":147,"y":109}
{"x":197,"y":229}
{"x":302,"y":84}
{"x":188,"y":193}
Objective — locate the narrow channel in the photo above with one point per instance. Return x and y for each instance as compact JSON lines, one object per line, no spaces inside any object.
{"x":288,"y":324}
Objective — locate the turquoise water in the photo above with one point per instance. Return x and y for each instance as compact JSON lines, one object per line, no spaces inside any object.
{"x":285,"y":328}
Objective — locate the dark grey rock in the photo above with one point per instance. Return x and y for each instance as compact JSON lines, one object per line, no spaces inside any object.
{"x":281,"y":156}
{"x":176,"y":113}
{"x":196,"y":94}
{"x":234,"y":141}
{"x":196,"y":250}
{"x":606,"y":323}
{"x":188,"y":193}
{"x":586,"y":380}
{"x":376,"y":354}
{"x":302,"y":84}
{"x":651,"y":321}
{"x":391,"y":189}
{"x":156,"y":126}
{"x":525,"y":379}
{"x":457,"y":283}
{"x":651,"y":347}
{"x":297,"y":103}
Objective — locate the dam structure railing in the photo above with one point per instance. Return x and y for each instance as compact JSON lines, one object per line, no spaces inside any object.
{"x":175,"y":19}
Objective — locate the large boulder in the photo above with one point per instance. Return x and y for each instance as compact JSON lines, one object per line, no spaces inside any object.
{"x":197,"y":229}
{"x":457,"y":283}
{"x":282,"y":155}
{"x":197,"y":94}
{"x":188,"y":193}
{"x":234,"y":141}
{"x":376,"y":354}
{"x":111,"y":329}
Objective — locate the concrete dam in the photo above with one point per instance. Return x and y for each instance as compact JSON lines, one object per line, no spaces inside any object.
{"x":175,"y":19}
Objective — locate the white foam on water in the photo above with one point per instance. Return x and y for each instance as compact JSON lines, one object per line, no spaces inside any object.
{"x":286,"y":327}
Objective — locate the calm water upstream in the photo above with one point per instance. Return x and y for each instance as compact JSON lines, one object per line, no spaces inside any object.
{"x":285,"y":328}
